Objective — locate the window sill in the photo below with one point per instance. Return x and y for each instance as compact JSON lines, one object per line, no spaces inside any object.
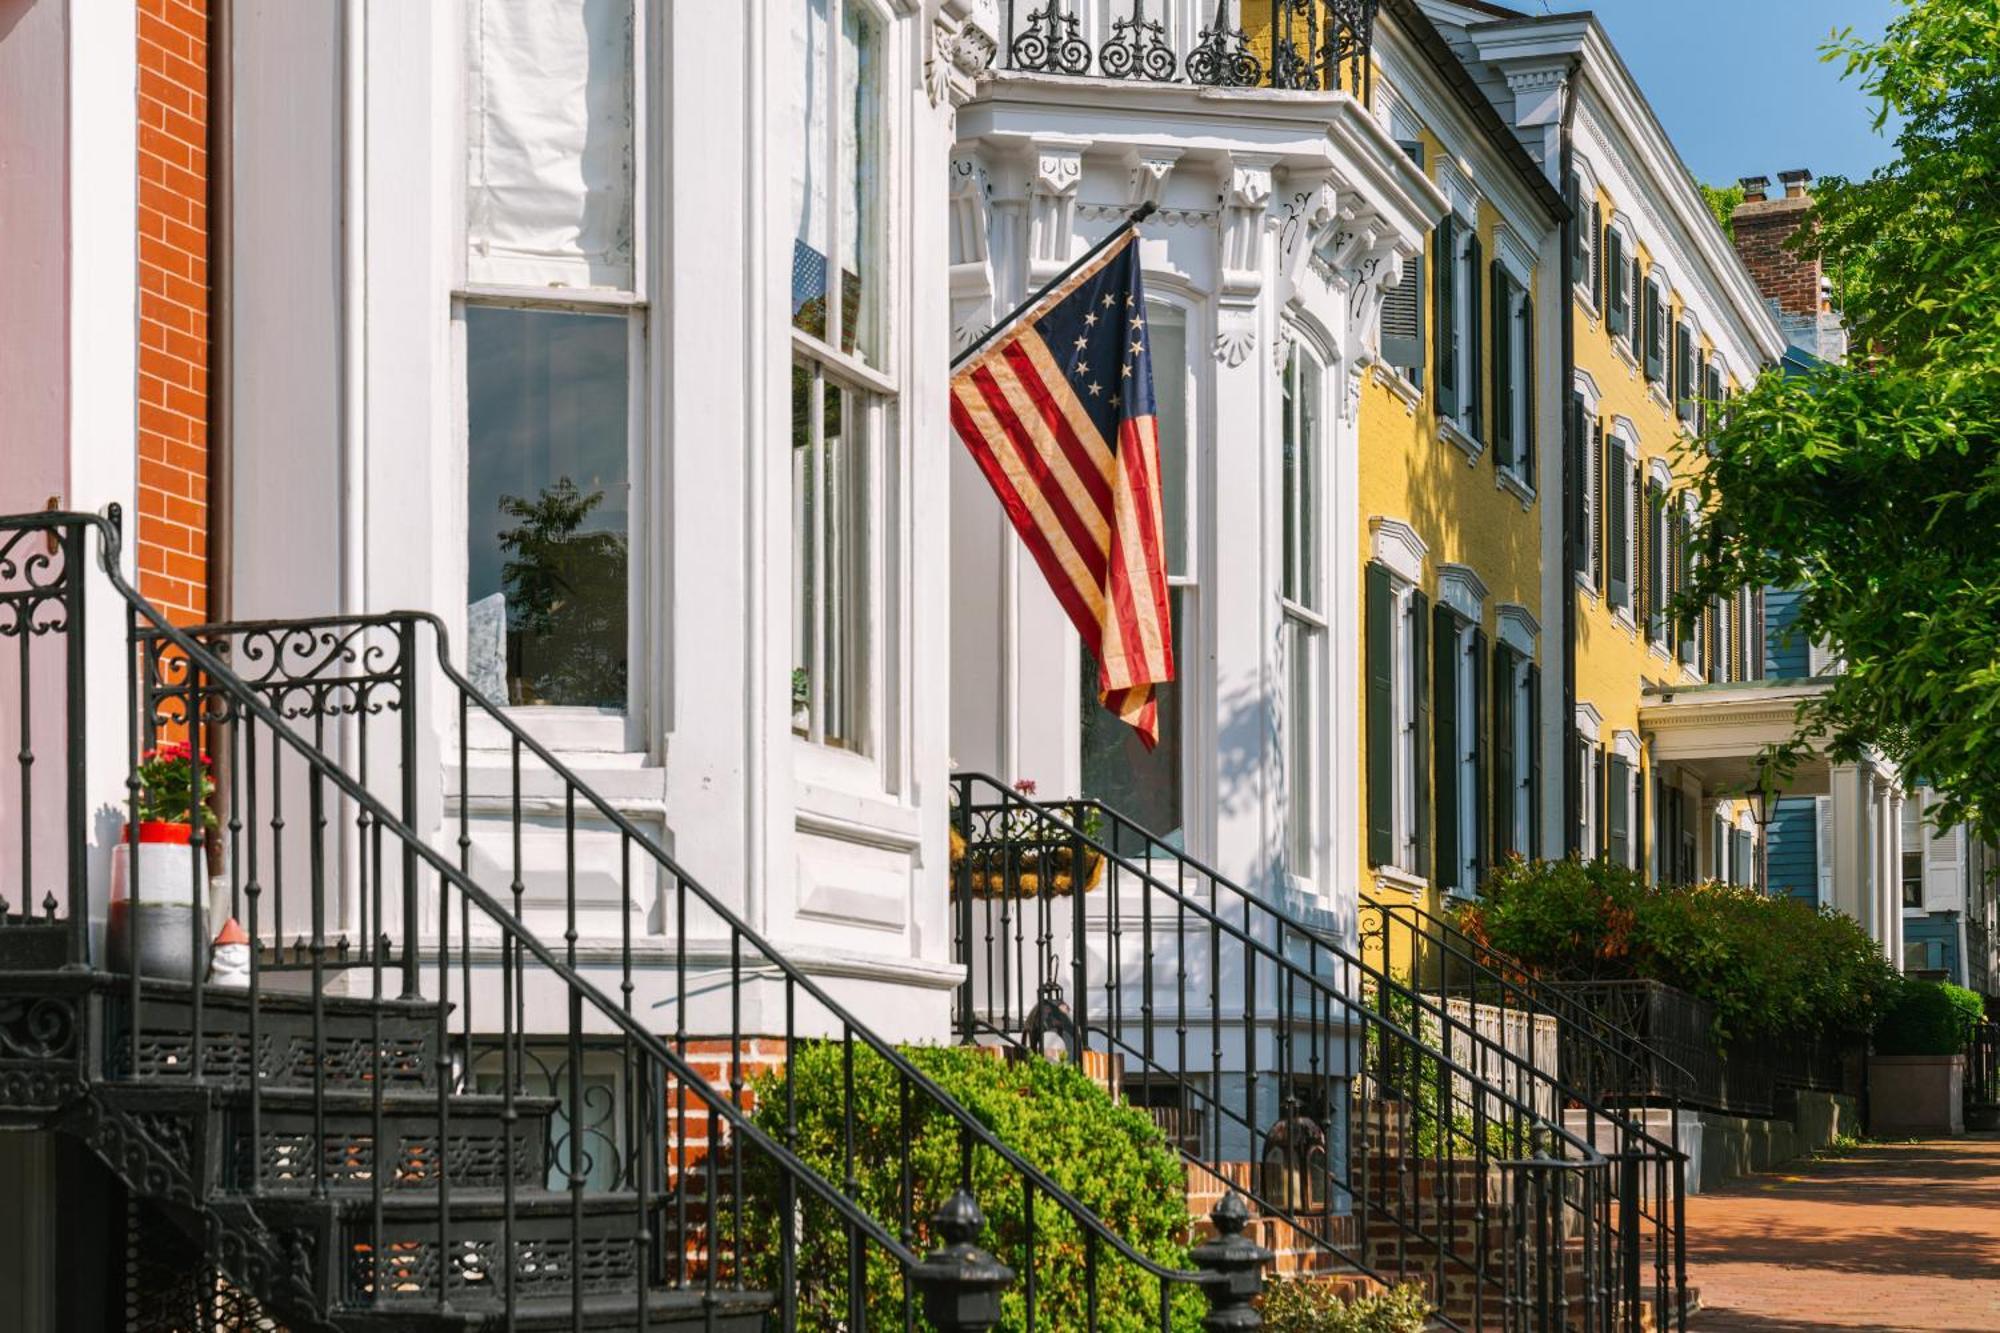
{"x":1622,"y":618}
{"x":1659,"y":650}
{"x":1458,"y":436}
{"x":1505,"y":478}
{"x":1395,"y":877}
{"x":1587,"y":304}
{"x":1656,"y":391}
{"x":1585,"y":586}
{"x":1624,"y":354}
{"x":1392,"y":379}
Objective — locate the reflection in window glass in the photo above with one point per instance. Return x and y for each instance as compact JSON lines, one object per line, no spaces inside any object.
{"x":1169,"y":328}
{"x":829,"y":564}
{"x":1144,"y":785}
{"x":837,"y":169}
{"x":548,"y":498}
{"x":812,"y":172}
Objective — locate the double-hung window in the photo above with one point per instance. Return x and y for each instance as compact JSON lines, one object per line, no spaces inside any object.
{"x":1303,"y":464}
{"x":1659,"y":563}
{"x":843,"y":400}
{"x":1516,"y":708}
{"x":1657,"y":314}
{"x":1587,"y":222}
{"x":1398,"y":632}
{"x":1913,"y":851}
{"x":1620,"y":466}
{"x":1456,"y":359}
{"x":553,"y":325}
{"x":1513,"y":364}
{"x":1459,"y":733}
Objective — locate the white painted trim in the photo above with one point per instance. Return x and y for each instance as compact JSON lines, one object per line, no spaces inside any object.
{"x":1658,"y":469}
{"x":1625,"y":745}
{"x":1396,"y":544}
{"x":1588,"y":721}
{"x":1514,"y":254}
{"x":1461,"y":588}
{"x":1519,"y":629}
{"x":1623,"y":429}
{"x":1586,"y":384}
{"x":1458,"y":188}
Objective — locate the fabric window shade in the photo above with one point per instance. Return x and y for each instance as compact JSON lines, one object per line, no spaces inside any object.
{"x":1502,"y":366}
{"x":550,"y":144}
{"x":1504,"y":779}
{"x":1420,"y":743}
{"x":1444,"y":724}
{"x":1380,"y":649}
{"x":1475,"y":662}
{"x":1619,"y":316}
{"x":1444,"y":359}
{"x":1618,"y":790}
{"x":1472,"y":381}
{"x":1526,"y":448}
{"x":1534,"y":847}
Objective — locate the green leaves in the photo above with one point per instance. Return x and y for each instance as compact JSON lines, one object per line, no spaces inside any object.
{"x":1928,"y":1018}
{"x":1294,"y":1306}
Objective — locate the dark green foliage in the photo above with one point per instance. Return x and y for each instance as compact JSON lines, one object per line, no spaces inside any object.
{"x":1306,"y":1307}
{"x":1722,"y":201}
{"x":1768,"y":966}
{"x":1928,"y":1018}
{"x":1109,"y":1156}
{"x":566,"y":591}
{"x":1874,"y":487}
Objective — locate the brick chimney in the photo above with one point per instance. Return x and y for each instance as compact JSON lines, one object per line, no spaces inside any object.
{"x":1762,"y":227}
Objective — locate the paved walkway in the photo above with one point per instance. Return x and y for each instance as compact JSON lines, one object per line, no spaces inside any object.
{"x":1893,"y":1237}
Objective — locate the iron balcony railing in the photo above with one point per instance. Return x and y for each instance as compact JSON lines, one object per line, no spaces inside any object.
{"x":1300,"y":45}
{"x":688,"y":1190}
{"x":1386,"y":1128}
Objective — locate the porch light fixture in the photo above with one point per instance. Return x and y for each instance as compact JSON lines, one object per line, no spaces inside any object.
{"x":1294,"y":1163}
{"x":1051,"y":1018}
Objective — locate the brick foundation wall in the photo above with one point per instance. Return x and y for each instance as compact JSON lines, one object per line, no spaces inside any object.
{"x":171,"y":530}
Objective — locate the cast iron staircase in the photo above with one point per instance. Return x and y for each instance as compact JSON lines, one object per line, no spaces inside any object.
{"x":420,"y":1112}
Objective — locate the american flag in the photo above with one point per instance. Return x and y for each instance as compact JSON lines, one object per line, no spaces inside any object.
{"x":1058,"y":413}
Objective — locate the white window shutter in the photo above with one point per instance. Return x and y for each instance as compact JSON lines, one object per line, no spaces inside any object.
{"x":549,"y":143}
{"x":1823,"y":857}
{"x":1944,"y":859}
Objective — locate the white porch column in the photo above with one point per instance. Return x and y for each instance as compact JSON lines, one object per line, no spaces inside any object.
{"x":1892,"y":880}
{"x":1852,"y":867}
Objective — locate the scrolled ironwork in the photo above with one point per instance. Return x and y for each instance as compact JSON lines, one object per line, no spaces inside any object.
{"x":1221,"y":55}
{"x":1138,"y":49}
{"x":1051,"y":43}
{"x":32,"y":1029}
{"x":34,"y":580}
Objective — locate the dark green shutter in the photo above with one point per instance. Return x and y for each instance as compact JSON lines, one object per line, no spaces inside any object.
{"x":1579,"y":485}
{"x":1504,"y":779}
{"x":1534,"y":761}
{"x":1381,"y":613}
{"x":1618,"y":833}
{"x":1596,"y":503}
{"x":1420,"y":740}
{"x":1527,"y":444}
{"x":1473,"y":380}
{"x":1638,"y":322}
{"x":1619,"y":316}
{"x":1444,"y":280}
{"x":1402,"y":327}
{"x":1655,"y":335}
{"x":1444,"y":687}
{"x":1597,"y":256}
{"x":1616,"y":522}
{"x":1502,"y":433}
{"x":1475,"y":662}
{"x":1597,"y":794}
{"x":1639,"y":804}
{"x":1656,"y":564}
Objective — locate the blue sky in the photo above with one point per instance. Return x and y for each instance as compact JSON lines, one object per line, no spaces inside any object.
{"x":1739,"y":84}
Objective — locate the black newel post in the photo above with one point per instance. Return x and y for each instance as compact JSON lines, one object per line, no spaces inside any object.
{"x":961,"y":1283}
{"x":1235,"y":1267}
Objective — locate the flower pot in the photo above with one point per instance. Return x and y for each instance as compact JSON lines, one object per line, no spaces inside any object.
{"x":1024,"y":870}
{"x":165,"y":930}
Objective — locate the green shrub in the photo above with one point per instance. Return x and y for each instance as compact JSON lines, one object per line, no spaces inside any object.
{"x":1928,"y":1018}
{"x":1109,"y":1156}
{"x":1309,"y":1307}
{"x":1766,"y":965}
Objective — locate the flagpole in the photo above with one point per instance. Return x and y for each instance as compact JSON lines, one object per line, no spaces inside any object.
{"x":1138,"y":215}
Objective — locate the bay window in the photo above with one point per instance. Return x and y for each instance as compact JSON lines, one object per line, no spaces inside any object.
{"x":843,"y":402}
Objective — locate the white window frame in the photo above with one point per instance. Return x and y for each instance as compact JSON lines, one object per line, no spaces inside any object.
{"x":1306,"y":621}
{"x":1471,"y":712}
{"x":1624,"y":437}
{"x":1586,"y":184}
{"x":1588,"y":726}
{"x":1403,"y":752}
{"x":568,"y":727}
{"x":862,"y":760}
{"x":1461,"y":333}
{"x":1590,"y":577}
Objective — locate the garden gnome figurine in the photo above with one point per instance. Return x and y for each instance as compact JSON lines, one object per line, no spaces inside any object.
{"x":229,"y":960}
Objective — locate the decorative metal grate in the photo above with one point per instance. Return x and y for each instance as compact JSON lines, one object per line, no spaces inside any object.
{"x":1297,"y":45}
{"x":172,"y":1287}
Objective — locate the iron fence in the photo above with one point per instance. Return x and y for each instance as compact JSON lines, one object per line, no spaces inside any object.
{"x":1299,"y":45}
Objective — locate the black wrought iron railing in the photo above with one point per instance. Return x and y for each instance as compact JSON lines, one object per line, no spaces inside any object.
{"x":1982,"y":1077}
{"x":1307,"y":45}
{"x":1387,"y":1127}
{"x":482,"y":1012}
{"x":1681,"y":1060}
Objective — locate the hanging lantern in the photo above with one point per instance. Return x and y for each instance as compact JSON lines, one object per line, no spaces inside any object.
{"x":1050,"y":1020}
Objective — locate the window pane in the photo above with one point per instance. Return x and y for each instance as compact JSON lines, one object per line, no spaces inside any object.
{"x":805,"y":544}
{"x":1169,"y":327}
{"x":548,"y":521}
{"x":1301,"y":447}
{"x":861,"y":121}
{"x":1119,"y":770}
{"x":1301,"y":744}
{"x":829,"y":467}
{"x":812,"y":171}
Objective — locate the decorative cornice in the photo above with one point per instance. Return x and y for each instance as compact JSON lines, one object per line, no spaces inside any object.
{"x":1397,"y":545}
{"x":1518,"y":628}
{"x":1588,"y":721}
{"x":1461,"y":588}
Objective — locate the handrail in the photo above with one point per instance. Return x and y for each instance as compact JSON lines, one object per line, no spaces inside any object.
{"x":970,"y":1127}
{"x":689,"y":1079}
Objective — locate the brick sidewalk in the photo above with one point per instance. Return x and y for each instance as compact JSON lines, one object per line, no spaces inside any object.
{"x":1893,"y":1237}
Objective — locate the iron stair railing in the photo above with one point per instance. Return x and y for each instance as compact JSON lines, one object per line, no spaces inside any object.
{"x":689,"y":1149}
{"x":1321,"y":1019}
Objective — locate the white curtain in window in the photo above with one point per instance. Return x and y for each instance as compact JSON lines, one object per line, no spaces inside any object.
{"x":549,"y":143}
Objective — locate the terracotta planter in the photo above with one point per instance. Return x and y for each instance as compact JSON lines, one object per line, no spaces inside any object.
{"x":171,"y":910}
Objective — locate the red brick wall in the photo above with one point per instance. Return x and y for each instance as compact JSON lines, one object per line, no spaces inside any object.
{"x":1761,"y":232}
{"x":172,"y":522}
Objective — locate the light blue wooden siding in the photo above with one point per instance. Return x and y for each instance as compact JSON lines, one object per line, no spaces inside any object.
{"x":1919,"y":932}
{"x":1794,"y":860}
{"x":1785,"y":654}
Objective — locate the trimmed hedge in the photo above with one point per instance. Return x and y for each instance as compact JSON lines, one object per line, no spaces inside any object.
{"x":1767,"y":965}
{"x":1928,"y":1018}
{"x":1107,"y":1155}
{"x":1308,"y":1307}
